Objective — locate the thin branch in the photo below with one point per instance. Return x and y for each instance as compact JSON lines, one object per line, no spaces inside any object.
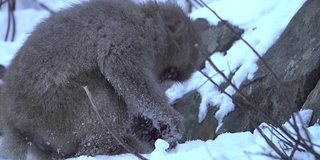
{"x":251,"y":104}
{"x":272,"y":145}
{"x":201,"y":51}
{"x":258,"y":128}
{"x":45,"y":7}
{"x":11,"y":19}
{"x":2,"y":2}
{"x":254,"y":51}
{"x":306,"y":146}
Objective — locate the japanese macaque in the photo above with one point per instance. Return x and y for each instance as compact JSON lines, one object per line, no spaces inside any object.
{"x":123,"y":53}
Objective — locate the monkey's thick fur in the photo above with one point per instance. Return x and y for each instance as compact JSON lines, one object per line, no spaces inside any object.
{"x":122,"y":52}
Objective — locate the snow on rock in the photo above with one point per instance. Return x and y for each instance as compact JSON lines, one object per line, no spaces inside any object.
{"x":263,"y":23}
{"x":278,"y":137}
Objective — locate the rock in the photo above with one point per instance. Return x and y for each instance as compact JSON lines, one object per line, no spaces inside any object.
{"x":295,"y":60}
{"x":188,"y":107}
{"x":313,"y":102}
{"x":221,"y":39}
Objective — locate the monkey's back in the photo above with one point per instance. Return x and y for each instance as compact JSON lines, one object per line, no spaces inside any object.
{"x":66,"y":44}
{"x":57,"y":60}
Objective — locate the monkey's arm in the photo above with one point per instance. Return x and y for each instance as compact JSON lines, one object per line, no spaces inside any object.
{"x":130,"y":73}
{"x":133,"y":80}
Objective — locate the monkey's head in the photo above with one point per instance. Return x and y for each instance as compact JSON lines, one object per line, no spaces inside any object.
{"x":179,"y":58}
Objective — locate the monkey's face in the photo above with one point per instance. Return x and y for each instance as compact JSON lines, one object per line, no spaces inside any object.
{"x":182,"y":57}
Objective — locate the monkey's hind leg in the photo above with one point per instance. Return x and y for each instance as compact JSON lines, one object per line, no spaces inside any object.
{"x":14,"y":145}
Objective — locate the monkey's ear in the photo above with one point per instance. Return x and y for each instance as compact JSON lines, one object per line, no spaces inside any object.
{"x":201,"y":23}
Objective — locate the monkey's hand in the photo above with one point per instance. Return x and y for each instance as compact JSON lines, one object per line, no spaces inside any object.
{"x":169,"y":124}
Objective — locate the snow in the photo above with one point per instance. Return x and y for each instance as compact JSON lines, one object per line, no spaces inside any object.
{"x":227,"y":146}
{"x":263,"y":22}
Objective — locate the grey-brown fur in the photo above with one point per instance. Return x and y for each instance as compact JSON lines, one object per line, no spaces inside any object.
{"x":123,"y":52}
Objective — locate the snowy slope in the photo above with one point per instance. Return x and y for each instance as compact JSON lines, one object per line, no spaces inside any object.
{"x":263,"y":22}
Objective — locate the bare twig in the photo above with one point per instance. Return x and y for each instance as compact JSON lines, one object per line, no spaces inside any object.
{"x":259,"y":129}
{"x":44,"y":7}
{"x":2,"y":2}
{"x":260,"y":58}
{"x":299,"y":140}
{"x":254,"y":51}
{"x":252,"y":105}
{"x":11,"y":19}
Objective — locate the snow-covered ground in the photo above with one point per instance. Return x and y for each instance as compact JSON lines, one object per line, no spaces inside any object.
{"x":263,"y":22}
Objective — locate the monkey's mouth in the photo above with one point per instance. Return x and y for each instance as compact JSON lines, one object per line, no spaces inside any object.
{"x":145,"y":130}
{"x":170,"y":73}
